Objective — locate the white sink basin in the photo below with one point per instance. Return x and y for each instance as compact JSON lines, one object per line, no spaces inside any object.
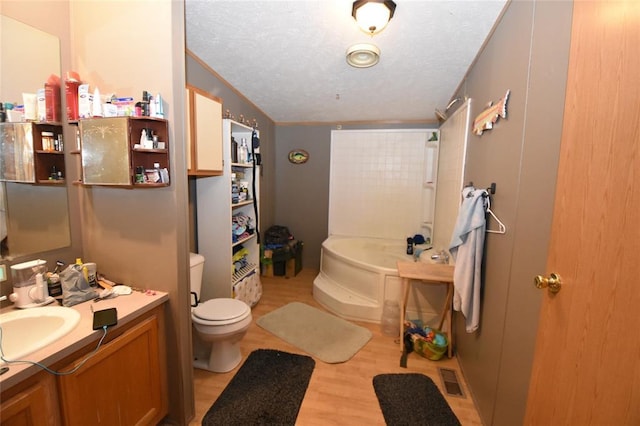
{"x":28,"y":330}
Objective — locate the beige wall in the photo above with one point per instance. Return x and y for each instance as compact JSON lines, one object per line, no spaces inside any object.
{"x":140,"y":236}
{"x":528,"y":54}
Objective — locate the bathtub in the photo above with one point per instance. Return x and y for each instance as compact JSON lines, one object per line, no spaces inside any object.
{"x":358,"y":274}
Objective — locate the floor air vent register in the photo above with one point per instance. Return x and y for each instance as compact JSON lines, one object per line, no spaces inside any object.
{"x":450,"y":381}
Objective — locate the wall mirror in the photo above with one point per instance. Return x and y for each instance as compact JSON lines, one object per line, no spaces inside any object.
{"x":33,"y":218}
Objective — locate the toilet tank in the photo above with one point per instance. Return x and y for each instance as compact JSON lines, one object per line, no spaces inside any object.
{"x":196,"y":267}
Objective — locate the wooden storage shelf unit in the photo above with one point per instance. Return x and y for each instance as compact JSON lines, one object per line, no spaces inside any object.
{"x":48,"y":162}
{"x":216,"y":211}
{"x":25,"y":158}
{"x":111,"y":151}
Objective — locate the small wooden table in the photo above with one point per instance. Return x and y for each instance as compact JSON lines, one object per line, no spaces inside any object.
{"x":428,"y":273}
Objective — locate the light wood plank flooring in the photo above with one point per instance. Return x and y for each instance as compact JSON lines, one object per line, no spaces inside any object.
{"x":338,"y":394}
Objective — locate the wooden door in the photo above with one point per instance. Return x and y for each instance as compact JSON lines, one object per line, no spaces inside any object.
{"x":587,"y":360}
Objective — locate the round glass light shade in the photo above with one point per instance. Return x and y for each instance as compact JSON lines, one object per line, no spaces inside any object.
{"x":363,"y":55}
{"x":372,"y":17}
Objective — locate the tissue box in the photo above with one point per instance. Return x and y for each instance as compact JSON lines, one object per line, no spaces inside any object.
{"x":125,"y":106}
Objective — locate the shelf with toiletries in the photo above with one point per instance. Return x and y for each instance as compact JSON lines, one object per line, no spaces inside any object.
{"x":243,"y":272}
{"x":429,"y":183}
{"x":229,"y":243}
{"x":243,"y":240}
{"x":241,"y":204}
{"x":124,"y":151}
{"x":32,"y":152}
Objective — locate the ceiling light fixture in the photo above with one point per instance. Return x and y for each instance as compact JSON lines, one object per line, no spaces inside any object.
{"x":363,"y":55}
{"x":372,"y":15}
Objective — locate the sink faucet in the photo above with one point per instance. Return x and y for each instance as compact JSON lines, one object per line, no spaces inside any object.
{"x":416,"y":254}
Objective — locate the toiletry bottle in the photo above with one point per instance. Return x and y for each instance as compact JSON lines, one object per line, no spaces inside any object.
{"x":159,"y":106}
{"x":139,"y":174}
{"x":96,"y":109}
{"x":409,"y":245}
{"x":41,"y":288}
{"x":234,"y":150}
{"x":156,"y":166}
{"x":145,"y":103}
{"x":235,"y":198}
{"x":84,"y":269}
{"x":242,"y":156}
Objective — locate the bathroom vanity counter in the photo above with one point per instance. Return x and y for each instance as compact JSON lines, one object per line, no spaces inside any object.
{"x":83,"y":339}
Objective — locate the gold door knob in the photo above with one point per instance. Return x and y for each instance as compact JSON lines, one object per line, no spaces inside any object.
{"x":553,"y":283}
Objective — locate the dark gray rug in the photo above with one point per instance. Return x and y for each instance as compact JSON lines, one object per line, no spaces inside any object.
{"x":267,"y":389}
{"x":412,"y":399}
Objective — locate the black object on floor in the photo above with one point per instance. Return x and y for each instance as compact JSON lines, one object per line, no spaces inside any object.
{"x":412,"y":399}
{"x":267,"y":389}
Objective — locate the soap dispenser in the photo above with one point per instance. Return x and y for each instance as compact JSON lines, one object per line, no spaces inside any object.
{"x":243,"y":151}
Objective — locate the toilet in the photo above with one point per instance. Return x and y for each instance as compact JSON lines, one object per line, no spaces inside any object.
{"x":219,"y":325}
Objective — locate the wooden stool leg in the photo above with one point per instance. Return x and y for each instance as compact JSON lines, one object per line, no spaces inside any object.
{"x":444,"y":311}
{"x":449,"y":308}
{"x":403,"y":308}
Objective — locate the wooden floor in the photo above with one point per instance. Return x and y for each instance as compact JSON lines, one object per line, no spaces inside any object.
{"x":338,"y":394}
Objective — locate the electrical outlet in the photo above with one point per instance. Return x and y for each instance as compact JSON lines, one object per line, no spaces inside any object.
{"x":3,"y":273}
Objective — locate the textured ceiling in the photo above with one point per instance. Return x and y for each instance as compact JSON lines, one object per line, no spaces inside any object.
{"x":288,"y":57}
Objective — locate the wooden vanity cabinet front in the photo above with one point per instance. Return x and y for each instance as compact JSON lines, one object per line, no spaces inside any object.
{"x":34,"y":402}
{"x":123,"y":383}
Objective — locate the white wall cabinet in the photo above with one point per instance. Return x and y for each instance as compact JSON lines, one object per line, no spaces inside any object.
{"x":227,"y":231}
{"x":204,"y":132}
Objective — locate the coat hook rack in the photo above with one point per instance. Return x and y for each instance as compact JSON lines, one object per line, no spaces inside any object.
{"x":502,"y":229}
{"x":491,"y":189}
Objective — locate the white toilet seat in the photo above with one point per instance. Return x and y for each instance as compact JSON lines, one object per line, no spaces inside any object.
{"x":222,"y":311}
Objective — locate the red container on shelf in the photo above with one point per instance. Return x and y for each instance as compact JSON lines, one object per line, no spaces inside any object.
{"x":52,"y":102}
{"x":71,"y":83}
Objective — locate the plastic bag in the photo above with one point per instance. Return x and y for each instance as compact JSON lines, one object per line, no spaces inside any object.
{"x":75,"y":287}
{"x":277,"y":235}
